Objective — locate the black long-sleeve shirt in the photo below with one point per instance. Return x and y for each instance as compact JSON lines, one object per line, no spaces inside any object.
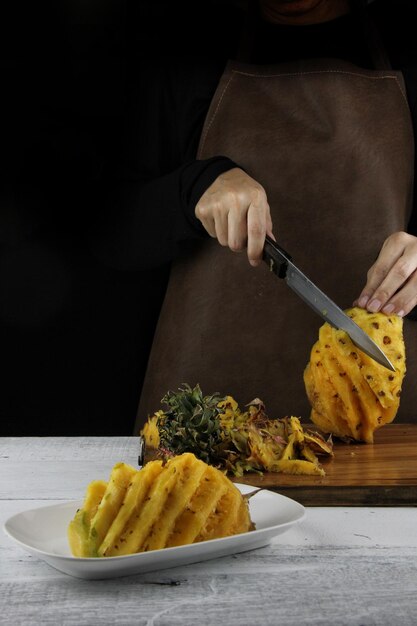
{"x":169,"y":99}
{"x":102,"y":183}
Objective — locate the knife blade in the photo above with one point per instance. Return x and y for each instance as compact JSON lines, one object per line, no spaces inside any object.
{"x":281,"y":263}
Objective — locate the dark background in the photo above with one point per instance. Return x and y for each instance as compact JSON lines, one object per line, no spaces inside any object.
{"x":74,"y":334}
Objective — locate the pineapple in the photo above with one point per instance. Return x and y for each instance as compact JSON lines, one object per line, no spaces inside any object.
{"x":180,"y":502}
{"x":190,"y":424}
{"x":350,"y":394}
{"x":79,"y":528}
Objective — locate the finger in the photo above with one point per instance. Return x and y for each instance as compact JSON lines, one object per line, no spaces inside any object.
{"x":269,"y":226}
{"x":395,"y":280}
{"x":404,"y":300}
{"x":221,"y":225}
{"x":388,"y":256}
{"x":205,"y":216}
{"x":237,"y":230}
{"x":256,"y":233}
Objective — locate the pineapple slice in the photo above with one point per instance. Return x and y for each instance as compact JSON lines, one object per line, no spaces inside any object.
{"x":79,"y":527}
{"x":159,"y":506}
{"x":109,"y":506}
{"x":120,"y":538}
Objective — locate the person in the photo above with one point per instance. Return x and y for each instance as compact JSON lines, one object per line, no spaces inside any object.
{"x":78,"y":338}
{"x":318,"y":128}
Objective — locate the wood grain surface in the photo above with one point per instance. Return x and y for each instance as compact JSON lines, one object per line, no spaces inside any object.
{"x":339,"y":566}
{"x":380,"y":474}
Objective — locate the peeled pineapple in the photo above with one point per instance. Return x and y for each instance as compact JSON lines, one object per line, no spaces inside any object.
{"x":180,"y":502}
{"x":351,"y":395}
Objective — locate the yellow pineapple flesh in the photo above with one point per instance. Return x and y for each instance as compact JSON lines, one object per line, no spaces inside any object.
{"x":351,"y":395}
{"x":161,"y":505}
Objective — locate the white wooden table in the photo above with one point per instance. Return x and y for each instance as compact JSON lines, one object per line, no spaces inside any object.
{"x":337,"y":566}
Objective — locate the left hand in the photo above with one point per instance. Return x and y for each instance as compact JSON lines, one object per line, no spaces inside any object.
{"x":391,"y":285}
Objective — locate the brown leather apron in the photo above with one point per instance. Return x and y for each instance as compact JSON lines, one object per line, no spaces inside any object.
{"x":332,"y":144}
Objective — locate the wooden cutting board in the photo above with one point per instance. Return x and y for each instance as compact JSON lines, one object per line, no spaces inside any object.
{"x":380,"y":474}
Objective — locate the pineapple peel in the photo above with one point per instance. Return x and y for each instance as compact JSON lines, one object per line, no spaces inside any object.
{"x":217,"y":431}
{"x":350,"y":394}
{"x":180,"y":502}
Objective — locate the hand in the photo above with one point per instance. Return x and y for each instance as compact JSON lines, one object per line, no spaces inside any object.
{"x":235,"y":210}
{"x":391,"y":285}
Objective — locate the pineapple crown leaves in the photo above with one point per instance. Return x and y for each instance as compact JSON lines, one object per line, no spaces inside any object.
{"x":191,"y":423}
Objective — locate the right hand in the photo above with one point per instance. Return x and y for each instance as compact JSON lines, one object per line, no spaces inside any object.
{"x":235,"y":210}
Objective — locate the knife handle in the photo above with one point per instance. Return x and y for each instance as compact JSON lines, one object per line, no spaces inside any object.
{"x":276,"y":257}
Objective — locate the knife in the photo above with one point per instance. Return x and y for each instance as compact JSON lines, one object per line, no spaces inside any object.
{"x":282,"y":265}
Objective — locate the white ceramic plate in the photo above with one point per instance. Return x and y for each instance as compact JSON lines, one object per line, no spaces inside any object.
{"x":43,"y":533}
